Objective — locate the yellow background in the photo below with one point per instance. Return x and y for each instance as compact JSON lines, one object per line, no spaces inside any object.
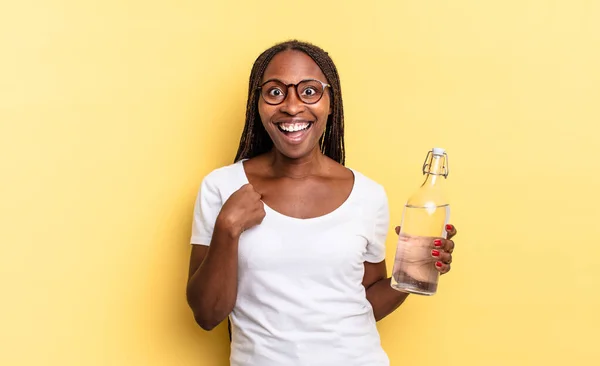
{"x":112,"y":112}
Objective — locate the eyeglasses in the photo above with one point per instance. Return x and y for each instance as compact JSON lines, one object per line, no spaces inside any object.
{"x":309,"y":91}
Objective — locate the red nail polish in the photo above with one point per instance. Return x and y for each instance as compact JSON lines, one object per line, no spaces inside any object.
{"x":435,"y":253}
{"x":437,"y":242}
{"x":438,"y":264}
{"x":449,"y":227}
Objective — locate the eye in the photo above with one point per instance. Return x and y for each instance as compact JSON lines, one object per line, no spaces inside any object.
{"x":310,"y":91}
{"x":275,"y":92}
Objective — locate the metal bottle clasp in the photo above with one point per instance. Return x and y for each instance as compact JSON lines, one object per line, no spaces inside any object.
{"x":446,"y":165}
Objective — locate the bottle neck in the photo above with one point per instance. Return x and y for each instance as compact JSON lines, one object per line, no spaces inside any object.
{"x":432,"y":192}
{"x":435,"y":170}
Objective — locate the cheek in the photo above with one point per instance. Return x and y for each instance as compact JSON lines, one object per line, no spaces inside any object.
{"x":323,"y":112}
{"x":265,"y":114}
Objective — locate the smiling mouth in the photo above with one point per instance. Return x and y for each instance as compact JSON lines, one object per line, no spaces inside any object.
{"x":294,"y":132}
{"x":290,"y":128}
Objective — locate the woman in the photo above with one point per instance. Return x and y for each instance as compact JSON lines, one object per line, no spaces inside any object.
{"x":290,"y":244}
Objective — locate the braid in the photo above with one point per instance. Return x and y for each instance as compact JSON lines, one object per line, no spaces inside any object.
{"x":255,"y":140}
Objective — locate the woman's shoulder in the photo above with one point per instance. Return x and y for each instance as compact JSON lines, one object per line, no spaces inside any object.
{"x":368,"y":187}
{"x":367,"y":181}
{"x":363,"y":184}
{"x":225,"y":174}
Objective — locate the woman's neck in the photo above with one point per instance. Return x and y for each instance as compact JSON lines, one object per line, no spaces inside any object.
{"x":299,"y":168}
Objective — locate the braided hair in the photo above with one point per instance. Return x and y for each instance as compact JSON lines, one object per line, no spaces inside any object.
{"x":255,"y":139}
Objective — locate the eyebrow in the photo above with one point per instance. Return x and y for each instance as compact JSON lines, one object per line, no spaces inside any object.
{"x":273,"y":79}
{"x":284,"y":83}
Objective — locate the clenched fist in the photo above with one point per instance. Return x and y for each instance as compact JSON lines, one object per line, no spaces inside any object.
{"x":241,"y":211}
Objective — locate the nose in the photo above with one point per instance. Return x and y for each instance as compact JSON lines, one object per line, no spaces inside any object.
{"x":292,"y":104}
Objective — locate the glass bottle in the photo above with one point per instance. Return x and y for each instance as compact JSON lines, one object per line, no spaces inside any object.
{"x":424,"y":219}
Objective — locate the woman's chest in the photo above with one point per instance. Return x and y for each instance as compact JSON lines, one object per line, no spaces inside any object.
{"x":306,"y":198}
{"x":323,"y":246}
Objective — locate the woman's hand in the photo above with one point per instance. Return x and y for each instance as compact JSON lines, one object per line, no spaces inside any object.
{"x":441,"y":249}
{"x":243,"y":210}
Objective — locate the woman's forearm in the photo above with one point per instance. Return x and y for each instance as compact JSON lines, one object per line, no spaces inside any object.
{"x":383,"y":298}
{"x":212,"y":289}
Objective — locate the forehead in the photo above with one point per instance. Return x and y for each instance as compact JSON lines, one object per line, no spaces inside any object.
{"x":292,"y":66}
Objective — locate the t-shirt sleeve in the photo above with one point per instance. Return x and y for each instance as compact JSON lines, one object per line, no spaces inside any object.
{"x":206,"y":209}
{"x":376,"y":246}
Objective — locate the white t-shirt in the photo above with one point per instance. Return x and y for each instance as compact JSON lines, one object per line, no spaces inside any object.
{"x":300,"y":297}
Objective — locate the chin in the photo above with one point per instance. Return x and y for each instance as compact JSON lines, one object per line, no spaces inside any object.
{"x":296,"y":139}
{"x":296,"y":153}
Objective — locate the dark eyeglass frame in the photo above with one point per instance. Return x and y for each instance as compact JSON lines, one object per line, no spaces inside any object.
{"x":287,"y":87}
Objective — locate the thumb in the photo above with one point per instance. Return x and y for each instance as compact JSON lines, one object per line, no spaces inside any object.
{"x":252,"y":189}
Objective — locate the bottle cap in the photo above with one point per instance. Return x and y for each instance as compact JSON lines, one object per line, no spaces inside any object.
{"x":438,"y":151}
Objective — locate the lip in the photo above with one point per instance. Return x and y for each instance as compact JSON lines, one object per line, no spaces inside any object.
{"x":291,"y":120}
{"x":298,"y":137}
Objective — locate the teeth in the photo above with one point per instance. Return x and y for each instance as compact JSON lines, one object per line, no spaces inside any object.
{"x":292,"y":127}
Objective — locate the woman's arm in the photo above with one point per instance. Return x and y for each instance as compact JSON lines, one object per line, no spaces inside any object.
{"x":212,"y":284}
{"x":383,"y":298}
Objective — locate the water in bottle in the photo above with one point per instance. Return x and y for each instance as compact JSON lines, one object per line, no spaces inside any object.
{"x":424,"y":218}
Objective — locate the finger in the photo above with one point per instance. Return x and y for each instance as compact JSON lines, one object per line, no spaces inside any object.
{"x":259,"y":207}
{"x":442,"y":267}
{"x":253,"y":192}
{"x":450,"y":230}
{"x":257,"y":216}
{"x":261,"y":214}
{"x":441,"y":256}
{"x":443,"y":244}
{"x":448,"y":245}
{"x":397,"y":230}
{"x":250,"y":188}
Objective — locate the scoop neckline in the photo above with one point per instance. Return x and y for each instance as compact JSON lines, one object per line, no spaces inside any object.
{"x":334,"y":212}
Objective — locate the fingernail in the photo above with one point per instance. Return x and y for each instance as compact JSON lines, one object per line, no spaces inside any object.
{"x":435,"y":253}
{"x":449,"y":227}
{"x":437,"y":242}
{"x":438,"y":264}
